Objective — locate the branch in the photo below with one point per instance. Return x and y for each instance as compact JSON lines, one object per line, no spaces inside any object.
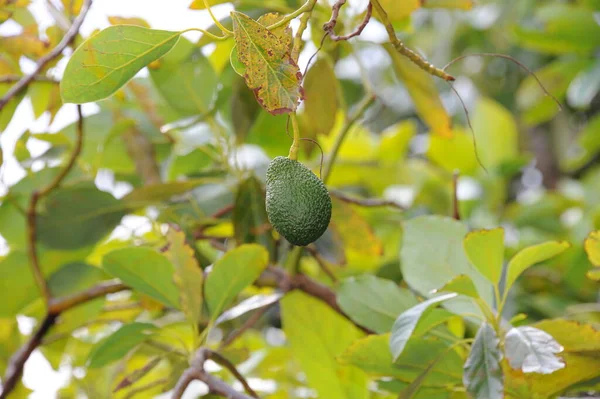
{"x":249,"y":323}
{"x":56,"y":51}
{"x":329,"y":27}
{"x":17,"y":361}
{"x":36,"y":196}
{"x":196,"y":372}
{"x":16,"y":78}
{"x":277,"y":277}
{"x":366,"y":202}
{"x":59,"y":305}
{"x":219,"y":359}
{"x":405,"y":51}
{"x":455,"y":204}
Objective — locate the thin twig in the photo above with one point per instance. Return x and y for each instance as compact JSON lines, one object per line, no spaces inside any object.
{"x":366,"y":202}
{"x":277,"y":277}
{"x":249,"y":323}
{"x":145,"y":387}
{"x":329,"y":27}
{"x":58,"y":305}
{"x":360,"y":110}
{"x":219,"y":359}
{"x":55,"y":52}
{"x":137,"y":374}
{"x":297,"y":46}
{"x":455,"y":204}
{"x":514,"y":60}
{"x":36,"y":196}
{"x":16,"y":78}
{"x":196,"y":372}
{"x":17,"y":361}
{"x":405,"y":51}
{"x":321,"y":262}
{"x":464,"y":106}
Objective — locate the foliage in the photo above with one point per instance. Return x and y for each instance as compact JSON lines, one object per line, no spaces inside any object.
{"x":462,"y":259}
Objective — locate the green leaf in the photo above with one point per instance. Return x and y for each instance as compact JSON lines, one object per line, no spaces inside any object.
{"x":236,"y":270}
{"x":423,"y":92}
{"x":372,"y":355}
{"x":584,"y":87}
{"x":529,"y":256}
{"x":109,"y":59}
{"x":186,"y":79}
{"x":462,"y":285}
{"x":483,"y":375}
{"x":270,"y":71}
{"x":532,"y":350}
{"x":188,"y":276}
{"x":321,"y":101}
{"x":485,"y":250}
{"x":316,"y":335}
{"x":160,"y":192}
{"x":373,"y":302}
{"x":118,"y":344}
{"x":406,"y":323}
{"x":456,"y":152}
{"x":426,"y":270}
{"x":399,"y":10}
{"x":565,"y":28}
{"x":17,"y":283}
{"x":252,"y":303}
{"x":146,"y":271}
{"x":78,"y":216}
{"x":496,"y":133}
{"x":250,"y":221}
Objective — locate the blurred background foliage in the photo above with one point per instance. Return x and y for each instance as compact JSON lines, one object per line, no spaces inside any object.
{"x":187,"y":139}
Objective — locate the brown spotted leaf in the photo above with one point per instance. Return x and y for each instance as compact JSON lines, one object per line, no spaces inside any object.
{"x":270,"y":70}
{"x":284,"y":32}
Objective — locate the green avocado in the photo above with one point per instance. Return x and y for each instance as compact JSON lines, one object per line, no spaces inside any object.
{"x":298,"y":203}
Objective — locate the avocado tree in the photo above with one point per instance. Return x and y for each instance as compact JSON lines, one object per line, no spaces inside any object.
{"x":323,"y":208}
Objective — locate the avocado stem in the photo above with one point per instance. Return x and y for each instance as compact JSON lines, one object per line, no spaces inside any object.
{"x":296,"y":143}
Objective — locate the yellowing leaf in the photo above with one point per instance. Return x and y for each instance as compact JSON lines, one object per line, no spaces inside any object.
{"x":283,"y":32}
{"x":485,"y":250}
{"x":496,"y":133}
{"x":110,"y":58}
{"x":459,"y":4}
{"x":188,"y":276}
{"x":321,"y":91}
{"x":199,"y":4}
{"x":398,"y":10}
{"x":592,"y":247}
{"x":395,"y":140}
{"x":457,"y":152}
{"x":270,"y":70}
{"x":423,"y":92}
{"x":355,"y":231}
{"x":128,"y":21}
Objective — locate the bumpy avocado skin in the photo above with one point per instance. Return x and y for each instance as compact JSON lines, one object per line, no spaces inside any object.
{"x":298,"y":203}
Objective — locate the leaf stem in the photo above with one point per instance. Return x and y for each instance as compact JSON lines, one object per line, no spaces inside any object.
{"x":306,"y":7}
{"x":296,"y":143}
{"x":225,"y":31}
{"x":360,"y":110}
{"x":405,"y":51}
{"x":301,"y":28}
{"x":207,"y":33}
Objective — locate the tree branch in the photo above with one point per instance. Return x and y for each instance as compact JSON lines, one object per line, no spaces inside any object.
{"x":36,"y":196}
{"x":16,"y":78}
{"x":219,"y":359}
{"x":196,"y":372}
{"x":55,"y":52}
{"x":405,"y":51}
{"x":58,"y":305}
{"x":366,"y":202}
{"x":329,"y":27}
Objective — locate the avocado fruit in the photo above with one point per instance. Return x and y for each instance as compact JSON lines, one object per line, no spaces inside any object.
{"x":298,"y":203}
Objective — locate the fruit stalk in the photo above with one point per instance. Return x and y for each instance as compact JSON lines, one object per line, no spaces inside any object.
{"x":296,"y":143}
